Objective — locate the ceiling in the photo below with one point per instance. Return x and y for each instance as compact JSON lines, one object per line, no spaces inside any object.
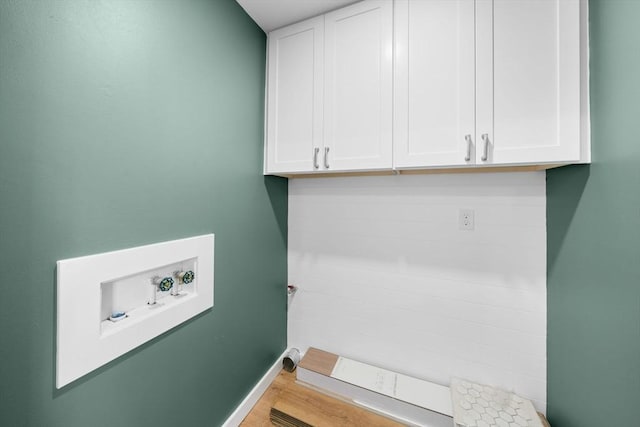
{"x":272,"y":14}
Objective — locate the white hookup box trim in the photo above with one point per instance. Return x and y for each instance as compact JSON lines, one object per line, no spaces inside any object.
{"x":86,"y":340}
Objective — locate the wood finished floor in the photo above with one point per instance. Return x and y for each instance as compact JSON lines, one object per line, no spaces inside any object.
{"x":311,"y":406}
{"x":319,"y":409}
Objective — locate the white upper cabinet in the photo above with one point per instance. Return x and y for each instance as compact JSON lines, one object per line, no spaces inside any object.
{"x":510,"y":94}
{"x":419,"y":84}
{"x":330,"y":83}
{"x":294,"y":96}
{"x":358,"y":87}
{"x":528,"y":81}
{"x":434,"y":120}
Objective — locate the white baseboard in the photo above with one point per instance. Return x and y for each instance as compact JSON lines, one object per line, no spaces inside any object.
{"x":254,"y":395}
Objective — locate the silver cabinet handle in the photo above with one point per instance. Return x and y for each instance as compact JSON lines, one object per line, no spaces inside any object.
{"x":315,"y":158}
{"x":469,"y":144}
{"x":326,"y":157}
{"x":485,"y":153}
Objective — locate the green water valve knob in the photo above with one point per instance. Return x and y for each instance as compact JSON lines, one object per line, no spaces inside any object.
{"x":188,"y":277}
{"x":165,"y":284}
{"x":184,"y":277}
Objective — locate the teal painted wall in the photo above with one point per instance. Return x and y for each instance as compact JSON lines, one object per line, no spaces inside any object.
{"x":593,"y":215}
{"x":125,"y":123}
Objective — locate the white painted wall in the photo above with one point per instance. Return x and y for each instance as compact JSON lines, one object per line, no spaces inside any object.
{"x":385,"y":276}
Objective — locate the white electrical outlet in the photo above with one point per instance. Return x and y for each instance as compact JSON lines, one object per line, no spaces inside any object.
{"x":465,"y":219}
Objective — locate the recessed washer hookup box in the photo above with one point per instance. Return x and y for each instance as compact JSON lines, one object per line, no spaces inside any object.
{"x":110,"y":303}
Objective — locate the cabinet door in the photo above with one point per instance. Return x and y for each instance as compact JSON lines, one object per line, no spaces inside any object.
{"x":434,"y":122}
{"x":528,"y":81}
{"x":358,"y":87}
{"x":294,"y":98}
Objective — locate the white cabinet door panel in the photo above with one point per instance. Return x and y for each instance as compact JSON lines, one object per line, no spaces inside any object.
{"x":434,"y":82}
{"x":358,"y":87}
{"x":294,"y":105}
{"x":528,"y":80}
